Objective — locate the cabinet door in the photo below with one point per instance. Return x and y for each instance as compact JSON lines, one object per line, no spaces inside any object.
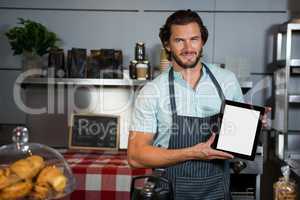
{"x":177,"y":4}
{"x":245,"y":40}
{"x":73,"y":4}
{"x":10,"y":111}
{"x":253,"y":5}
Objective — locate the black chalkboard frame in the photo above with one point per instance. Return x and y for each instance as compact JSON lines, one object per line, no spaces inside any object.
{"x":93,"y":147}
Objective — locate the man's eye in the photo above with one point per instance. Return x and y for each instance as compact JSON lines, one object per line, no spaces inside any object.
{"x":195,"y":39}
{"x":178,"y":40}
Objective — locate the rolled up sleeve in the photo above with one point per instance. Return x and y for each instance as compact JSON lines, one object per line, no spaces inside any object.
{"x":144,"y":116}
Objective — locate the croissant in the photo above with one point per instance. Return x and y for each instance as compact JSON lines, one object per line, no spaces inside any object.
{"x":54,"y":177}
{"x":16,"y":191}
{"x":20,"y":170}
{"x":16,"y":180}
{"x":37,"y":163}
{"x":39,"y":192}
{"x":28,"y":168}
{"x":49,"y":178}
{"x":7,"y":178}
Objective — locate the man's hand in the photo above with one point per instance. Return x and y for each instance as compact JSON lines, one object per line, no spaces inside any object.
{"x":265,"y":117}
{"x":203,"y":151}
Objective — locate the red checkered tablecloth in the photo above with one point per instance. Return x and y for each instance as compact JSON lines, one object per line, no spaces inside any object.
{"x":101,"y":175}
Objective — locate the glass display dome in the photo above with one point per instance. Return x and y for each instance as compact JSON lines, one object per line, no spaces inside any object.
{"x":38,"y":171}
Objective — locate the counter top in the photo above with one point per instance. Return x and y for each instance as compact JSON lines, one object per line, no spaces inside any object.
{"x":79,"y":81}
{"x":95,"y":82}
{"x":126,"y":81}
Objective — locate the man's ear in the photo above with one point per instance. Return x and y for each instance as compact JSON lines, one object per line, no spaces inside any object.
{"x":167,"y":46}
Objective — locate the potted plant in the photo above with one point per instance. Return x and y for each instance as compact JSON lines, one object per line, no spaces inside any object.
{"x":32,"y":40}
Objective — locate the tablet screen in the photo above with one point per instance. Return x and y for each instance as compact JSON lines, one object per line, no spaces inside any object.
{"x":240,"y":127}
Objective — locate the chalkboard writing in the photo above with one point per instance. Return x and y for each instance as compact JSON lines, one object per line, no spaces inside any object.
{"x":91,"y":131}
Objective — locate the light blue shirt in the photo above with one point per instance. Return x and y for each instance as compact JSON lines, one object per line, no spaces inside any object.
{"x":152,"y":111}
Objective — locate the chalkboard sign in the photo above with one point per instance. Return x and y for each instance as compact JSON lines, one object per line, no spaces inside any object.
{"x":90,"y":131}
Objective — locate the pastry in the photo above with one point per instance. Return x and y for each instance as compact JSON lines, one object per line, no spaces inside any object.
{"x":39,"y":192}
{"x":16,"y":191}
{"x":54,"y":177}
{"x":16,"y":180}
{"x":50,"y":179}
{"x":27,"y":168}
{"x":37,"y":163}
{"x":7,"y":178}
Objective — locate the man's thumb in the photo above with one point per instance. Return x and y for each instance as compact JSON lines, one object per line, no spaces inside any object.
{"x":211,"y":139}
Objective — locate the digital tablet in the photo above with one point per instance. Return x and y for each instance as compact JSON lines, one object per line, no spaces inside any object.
{"x":240,"y":128}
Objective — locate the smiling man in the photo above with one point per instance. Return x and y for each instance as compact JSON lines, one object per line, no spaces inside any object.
{"x":175,"y":114}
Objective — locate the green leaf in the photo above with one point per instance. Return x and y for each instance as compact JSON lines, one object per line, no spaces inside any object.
{"x":31,"y":36}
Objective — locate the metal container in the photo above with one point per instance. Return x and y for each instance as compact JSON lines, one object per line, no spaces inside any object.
{"x":140,"y":51}
{"x":132,"y":69}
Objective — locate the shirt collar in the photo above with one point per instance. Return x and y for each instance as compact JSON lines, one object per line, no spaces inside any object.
{"x":178,"y":76}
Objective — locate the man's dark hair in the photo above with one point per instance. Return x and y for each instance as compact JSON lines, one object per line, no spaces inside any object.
{"x":181,"y":17}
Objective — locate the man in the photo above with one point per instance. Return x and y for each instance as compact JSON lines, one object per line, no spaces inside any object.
{"x":175,"y":114}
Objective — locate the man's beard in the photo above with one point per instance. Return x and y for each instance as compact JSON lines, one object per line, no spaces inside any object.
{"x":186,"y":66}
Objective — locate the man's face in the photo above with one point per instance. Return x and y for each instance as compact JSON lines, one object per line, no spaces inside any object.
{"x":185,"y":45}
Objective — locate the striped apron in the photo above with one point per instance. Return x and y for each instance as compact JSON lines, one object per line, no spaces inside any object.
{"x":196,"y":179}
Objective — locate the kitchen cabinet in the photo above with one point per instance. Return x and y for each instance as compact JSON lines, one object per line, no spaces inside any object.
{"x":10,"y":112}
{"x":287,"y":95}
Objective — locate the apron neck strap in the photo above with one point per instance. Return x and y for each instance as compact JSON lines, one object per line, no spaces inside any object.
{"x":172,"y":88}
{"x":216,"y":83}
{"x":172,"y":93}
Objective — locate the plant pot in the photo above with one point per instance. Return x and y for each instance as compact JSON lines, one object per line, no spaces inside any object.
{"x":32,"y":61}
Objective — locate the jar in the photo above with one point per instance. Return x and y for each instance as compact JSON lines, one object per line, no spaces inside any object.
{"x":150,"y":69}
{"x":56,"y":63}
{"x":284,"y":189}
{"x":132,"y":69}
{"x":141,"y":71}
{"x":164,"y":62}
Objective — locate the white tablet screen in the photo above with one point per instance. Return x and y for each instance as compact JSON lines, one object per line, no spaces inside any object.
{"x":238,"y":129}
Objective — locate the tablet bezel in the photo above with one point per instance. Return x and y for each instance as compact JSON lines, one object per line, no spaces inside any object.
{"x":258,"y":128}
